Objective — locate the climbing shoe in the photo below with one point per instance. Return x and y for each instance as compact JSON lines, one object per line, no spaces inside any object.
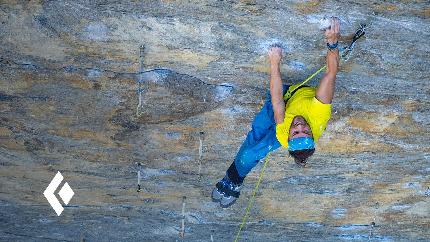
{"x":226,"y":192}
{"x":217,"y":194}
{"x":218,"y":191}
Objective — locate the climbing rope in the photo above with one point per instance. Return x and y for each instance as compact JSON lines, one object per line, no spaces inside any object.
{"x":289,"y":92}
{"x":345,"y":53}
{"x":251,"y":201}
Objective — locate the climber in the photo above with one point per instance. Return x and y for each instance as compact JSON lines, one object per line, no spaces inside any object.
{"x":295,"y":123}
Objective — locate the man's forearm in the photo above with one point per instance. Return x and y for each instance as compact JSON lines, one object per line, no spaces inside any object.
{"x":276,"y":93}
{"x":332,"y":62}
{"x":326,"y":87}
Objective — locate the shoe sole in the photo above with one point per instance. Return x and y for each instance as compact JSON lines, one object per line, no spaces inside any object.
{"x":228,"y":205}
{"x":219,"y":200}
{"x":214,"y":199}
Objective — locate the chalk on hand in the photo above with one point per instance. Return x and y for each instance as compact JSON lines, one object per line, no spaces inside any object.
{"x":325,"y":23}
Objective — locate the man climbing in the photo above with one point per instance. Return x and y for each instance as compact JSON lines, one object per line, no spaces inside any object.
{"x":294,"y":121}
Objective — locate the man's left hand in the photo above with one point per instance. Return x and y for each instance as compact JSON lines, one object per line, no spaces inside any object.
{"x":275,"y":55}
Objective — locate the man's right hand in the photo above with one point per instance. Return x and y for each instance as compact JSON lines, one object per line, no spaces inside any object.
{"x":275,"y":55}
{"x":332,"y":33}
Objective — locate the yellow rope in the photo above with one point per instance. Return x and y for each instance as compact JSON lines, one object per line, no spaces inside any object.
{"x":251,"y":201}
{"x":288,"y":94}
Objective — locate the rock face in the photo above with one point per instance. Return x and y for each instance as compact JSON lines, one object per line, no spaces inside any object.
{"x":68,"y":101}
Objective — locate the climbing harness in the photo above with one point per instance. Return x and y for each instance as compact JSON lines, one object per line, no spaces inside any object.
{"x":345,"y":54}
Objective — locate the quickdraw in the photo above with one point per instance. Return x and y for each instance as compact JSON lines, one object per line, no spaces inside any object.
{"x":346,"y":52}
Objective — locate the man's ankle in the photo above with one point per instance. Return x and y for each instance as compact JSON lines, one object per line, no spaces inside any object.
{"x":233,"y":175}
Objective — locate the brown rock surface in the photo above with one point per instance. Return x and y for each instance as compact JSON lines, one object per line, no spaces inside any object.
{"x":68,"y":98}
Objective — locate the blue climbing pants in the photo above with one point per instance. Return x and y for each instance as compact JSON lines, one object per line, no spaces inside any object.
{"x":258,"y":143}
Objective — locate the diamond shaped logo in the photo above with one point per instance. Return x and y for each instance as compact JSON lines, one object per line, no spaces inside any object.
{"x":66,"y":193}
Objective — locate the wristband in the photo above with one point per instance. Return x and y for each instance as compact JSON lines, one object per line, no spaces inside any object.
{"x":333,"y":46}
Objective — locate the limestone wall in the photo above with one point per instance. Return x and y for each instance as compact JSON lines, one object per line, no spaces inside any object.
{"x":68,"y":98}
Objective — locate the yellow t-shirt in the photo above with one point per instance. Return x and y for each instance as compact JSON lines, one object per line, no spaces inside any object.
{"x":304,"y":103}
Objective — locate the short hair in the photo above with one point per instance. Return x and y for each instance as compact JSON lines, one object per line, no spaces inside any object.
{"x":300,"y":156}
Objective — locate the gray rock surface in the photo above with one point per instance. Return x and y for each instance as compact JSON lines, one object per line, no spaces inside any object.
{"x":68,"y":98}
